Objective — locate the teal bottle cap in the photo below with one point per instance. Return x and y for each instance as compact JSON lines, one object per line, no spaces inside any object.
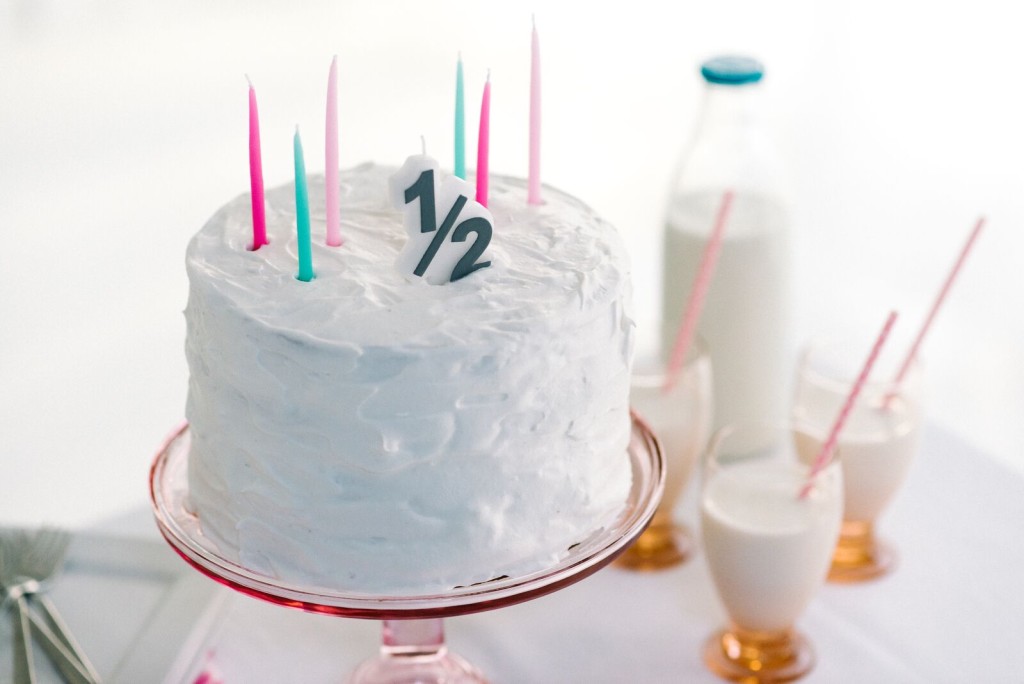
{"x":732,"y":70}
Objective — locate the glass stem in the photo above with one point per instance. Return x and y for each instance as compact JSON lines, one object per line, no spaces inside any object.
{"x":413,"y":638}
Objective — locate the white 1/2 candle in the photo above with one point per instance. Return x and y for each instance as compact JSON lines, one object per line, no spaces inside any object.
{"x":448,"y":231}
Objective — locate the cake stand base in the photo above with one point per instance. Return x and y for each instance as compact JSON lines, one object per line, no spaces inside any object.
{"x":414,"y":652}
{"x":412,"y":647}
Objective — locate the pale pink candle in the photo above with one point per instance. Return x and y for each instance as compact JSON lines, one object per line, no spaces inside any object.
{"x":483,"y":145}
{"x":695,"y":304}
{"x":259,"y":220}
{"x":943,"y":292}
{"x":825,"y":455}
{"x":533,"y":187}
{"x":332,"y":202}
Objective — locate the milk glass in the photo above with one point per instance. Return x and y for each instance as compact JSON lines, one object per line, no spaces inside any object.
{"x":680,"y":418}
{"x":768,"y":548}
{"x":876,"y":445}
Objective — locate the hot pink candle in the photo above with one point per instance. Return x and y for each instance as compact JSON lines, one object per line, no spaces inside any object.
{"x":533,"y":187}
{"x":483,"y":143}
{"x":259,"y":221}
{"x":332,"y":202}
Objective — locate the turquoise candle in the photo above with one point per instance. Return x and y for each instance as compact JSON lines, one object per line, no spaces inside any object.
{"x":302,"y":213}
{"x":460,"y":124}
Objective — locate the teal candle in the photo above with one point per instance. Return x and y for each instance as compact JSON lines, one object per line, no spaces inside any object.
{"x":302,"y":214}
{"x":460,"y":124}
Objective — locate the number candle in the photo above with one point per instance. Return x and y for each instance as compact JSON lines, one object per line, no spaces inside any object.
{"x":448,"y":232}
{"x":533,"y":188}
{"x":259,"y":221}
{"x":460,"y":123}
{"x":331,"y":155}
{"x":483,"y":142}
{"x":302,"y":213}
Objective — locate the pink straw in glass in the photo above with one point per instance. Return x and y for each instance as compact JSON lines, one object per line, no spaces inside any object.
{"x":939,"y":299}
{"x":825,"y":455}
{"x":688,"y":324}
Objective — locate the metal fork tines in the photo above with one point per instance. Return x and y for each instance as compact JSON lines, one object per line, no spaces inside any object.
{"x":27,"y":561}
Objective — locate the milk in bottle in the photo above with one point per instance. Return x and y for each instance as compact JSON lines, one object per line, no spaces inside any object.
{"x":746,"y":316}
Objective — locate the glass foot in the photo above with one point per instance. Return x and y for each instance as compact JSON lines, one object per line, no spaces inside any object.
{"x":662,"y":545}
{"x":434,"y":668}
{"x":744,"y":656}
{"x":859,"y":555}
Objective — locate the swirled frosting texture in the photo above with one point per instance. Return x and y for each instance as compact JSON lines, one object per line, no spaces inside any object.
{"x":375,"y":433}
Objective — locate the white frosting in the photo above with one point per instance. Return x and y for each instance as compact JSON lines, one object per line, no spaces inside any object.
{"x":371,"y":432}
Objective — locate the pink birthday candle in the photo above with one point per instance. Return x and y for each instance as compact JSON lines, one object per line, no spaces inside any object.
{"x":332,"y":202}
{"x":483,"y":144}
{"x":939,"y":299}
{"x":533,"y":188}
{"x":825,"y":455}
{"x":259,"y":221}
{"x":688,"y":323}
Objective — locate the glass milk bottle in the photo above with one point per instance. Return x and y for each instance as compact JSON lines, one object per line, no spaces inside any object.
{"x":746,"y":316}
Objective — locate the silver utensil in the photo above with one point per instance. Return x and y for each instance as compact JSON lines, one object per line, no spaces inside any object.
{"x":31,"y":561}
{"x":24,"y":661}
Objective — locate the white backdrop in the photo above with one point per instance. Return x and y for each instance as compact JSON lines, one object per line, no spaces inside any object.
{"x":123,"y":127}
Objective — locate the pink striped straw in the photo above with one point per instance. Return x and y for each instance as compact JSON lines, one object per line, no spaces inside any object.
{"x":332,"y":201}
{"x":825,"y":455}
{"x":483,"y":145}
{"x":912,"y":353}
{"x":259,"y":220}
{"x":688,"y":324}
{"x":533,"y":189}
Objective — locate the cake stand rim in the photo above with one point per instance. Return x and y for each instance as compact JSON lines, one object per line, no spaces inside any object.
{"x":647,"y":463}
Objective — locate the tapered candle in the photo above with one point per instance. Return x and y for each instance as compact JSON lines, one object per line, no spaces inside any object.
{"x":460,"y":123}
{"x":302,"y":213}
{"x":533,"y":187}
{"x":331,"y":201}
{"x":259,"y":220}
{"x":483,"y":143}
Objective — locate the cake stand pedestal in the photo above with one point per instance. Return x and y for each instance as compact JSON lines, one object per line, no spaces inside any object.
{"x":413,"y":647}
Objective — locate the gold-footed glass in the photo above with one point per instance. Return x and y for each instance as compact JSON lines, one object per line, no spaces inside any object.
{"x":742,"y":655}
{"x":768,"y":549}
{"x":875,"y":449}
{"x":860,"y":555}
{"x":681,"y":420}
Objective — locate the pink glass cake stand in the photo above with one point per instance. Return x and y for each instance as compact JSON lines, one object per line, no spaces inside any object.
{"x":412,"y":646}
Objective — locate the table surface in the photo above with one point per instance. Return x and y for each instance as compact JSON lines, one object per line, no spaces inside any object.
{"x":123,"y":128}
{"x":952,"y":611}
